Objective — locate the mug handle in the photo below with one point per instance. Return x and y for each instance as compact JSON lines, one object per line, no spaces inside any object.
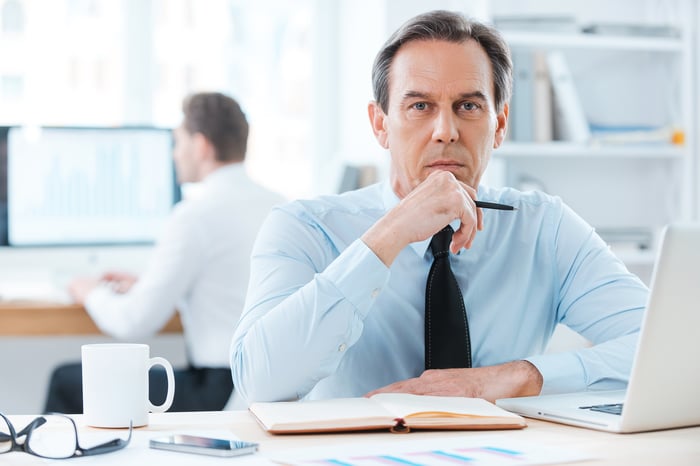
{"x":158,"y":361}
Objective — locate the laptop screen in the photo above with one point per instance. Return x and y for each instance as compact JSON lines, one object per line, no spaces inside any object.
{"x":87,"y":186}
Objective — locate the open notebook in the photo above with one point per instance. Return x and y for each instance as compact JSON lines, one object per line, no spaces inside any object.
{"x":664,"y":386}
{"x":397,"y":412}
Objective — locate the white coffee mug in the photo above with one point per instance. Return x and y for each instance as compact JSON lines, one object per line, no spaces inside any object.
{"x":115,"y":384}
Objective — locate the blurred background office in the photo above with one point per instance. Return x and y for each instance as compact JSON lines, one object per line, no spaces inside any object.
{"x":603,"y":114}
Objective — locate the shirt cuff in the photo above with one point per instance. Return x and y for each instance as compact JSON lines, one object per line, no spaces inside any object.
{"x":561,"y":372}
{"x":360,"y":276}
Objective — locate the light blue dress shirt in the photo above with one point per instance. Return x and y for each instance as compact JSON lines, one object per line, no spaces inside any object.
{"x":324,"y":317}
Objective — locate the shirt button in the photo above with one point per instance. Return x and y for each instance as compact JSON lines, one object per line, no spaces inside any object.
{"x":342,"y":347}
{"x":375,"y":292}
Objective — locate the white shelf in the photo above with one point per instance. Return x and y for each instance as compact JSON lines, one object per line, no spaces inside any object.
{"x":518,"y":39}
{"x":516,"y":150}
{"x":636,"y":258}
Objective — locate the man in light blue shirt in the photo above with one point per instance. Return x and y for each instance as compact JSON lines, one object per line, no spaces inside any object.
{"x":335,"y":305}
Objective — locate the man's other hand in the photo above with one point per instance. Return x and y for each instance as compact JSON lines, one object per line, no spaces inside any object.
{"x":512,"y":379}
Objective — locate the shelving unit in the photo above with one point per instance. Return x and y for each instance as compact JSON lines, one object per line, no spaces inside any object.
{"x":623,"y":186}
{"x":558,"y":149}
{"x":592,"y":41}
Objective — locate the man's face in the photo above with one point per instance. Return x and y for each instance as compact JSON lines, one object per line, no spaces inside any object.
{"x":183,"y":154}
{"x":441,"y":113}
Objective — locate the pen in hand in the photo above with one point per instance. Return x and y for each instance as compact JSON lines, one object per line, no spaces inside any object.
{"x":493,"y":205}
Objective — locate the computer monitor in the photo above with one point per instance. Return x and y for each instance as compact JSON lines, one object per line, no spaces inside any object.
{"x":3,"y":185}
{"x":87,"y":186}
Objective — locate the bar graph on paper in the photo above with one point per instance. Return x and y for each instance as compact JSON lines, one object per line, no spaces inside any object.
{"x":467,"y":451}
{"x":466,"y":456}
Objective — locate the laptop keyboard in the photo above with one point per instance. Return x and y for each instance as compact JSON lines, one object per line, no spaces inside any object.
{"x":614,"y":408}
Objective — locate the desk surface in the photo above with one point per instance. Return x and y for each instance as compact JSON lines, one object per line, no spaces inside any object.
{"x":24,"y":318}
{"x":667,"y":448}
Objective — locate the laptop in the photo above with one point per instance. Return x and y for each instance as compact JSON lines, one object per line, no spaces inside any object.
{"x":664,"y":386}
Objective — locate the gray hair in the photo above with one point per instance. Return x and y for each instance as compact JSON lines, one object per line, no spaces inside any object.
{"x":450,"y":27}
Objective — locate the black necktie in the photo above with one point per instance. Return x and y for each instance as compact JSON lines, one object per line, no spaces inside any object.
{"x":447,"y":342}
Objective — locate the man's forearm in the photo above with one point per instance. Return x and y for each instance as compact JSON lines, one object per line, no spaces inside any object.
{"x":527,"y":379}
{"x":384,"y":242}
{"x":516,"y":378}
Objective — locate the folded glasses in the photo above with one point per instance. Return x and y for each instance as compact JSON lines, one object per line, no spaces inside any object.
{"x":53,"y":436}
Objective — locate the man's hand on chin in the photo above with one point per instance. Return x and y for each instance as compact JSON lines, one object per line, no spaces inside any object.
{"x":512,"y":379}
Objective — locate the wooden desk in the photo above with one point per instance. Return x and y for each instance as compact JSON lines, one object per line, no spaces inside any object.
{"x":667,"y":448}
{"x":23,"y":318}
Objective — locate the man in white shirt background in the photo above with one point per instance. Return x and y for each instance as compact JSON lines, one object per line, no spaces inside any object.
{"x":199,"y":266}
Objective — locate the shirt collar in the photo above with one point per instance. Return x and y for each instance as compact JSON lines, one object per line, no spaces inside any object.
{"x":227,"y":176}
{"x":224,"y":174}
{"x":391,"y":200}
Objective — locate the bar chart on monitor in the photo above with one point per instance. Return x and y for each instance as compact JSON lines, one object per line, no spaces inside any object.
{"x":89,"y":185}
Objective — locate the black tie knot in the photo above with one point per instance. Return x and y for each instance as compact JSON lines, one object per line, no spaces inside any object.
{"x":440,"y":244}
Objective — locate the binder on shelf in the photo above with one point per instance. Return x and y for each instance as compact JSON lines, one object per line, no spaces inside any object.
{"x":570,"y":123}
{"x":531,"y":105}
{"x":521,"y":128}
{"x":541,"y":99}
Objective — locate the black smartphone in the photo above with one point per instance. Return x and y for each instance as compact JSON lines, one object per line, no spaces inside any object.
{"x":203,"y":445}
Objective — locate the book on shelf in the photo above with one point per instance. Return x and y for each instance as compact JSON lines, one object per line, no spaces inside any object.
{"x":531,"y":104}
{"x":621,"y":134}
{"x":542,"y":122}
{"x":521,"y":104}
{"x":570,"y":122}
{"x":396,"y":412}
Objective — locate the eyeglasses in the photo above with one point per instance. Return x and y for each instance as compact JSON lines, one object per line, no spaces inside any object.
{"x":58,"y":438}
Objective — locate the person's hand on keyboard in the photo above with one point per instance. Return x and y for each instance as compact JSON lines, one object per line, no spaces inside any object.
{"x":120,"y":282}
{"x":79,"y":288}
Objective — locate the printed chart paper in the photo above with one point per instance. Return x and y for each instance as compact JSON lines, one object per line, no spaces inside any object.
{"x":468,"y":450}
